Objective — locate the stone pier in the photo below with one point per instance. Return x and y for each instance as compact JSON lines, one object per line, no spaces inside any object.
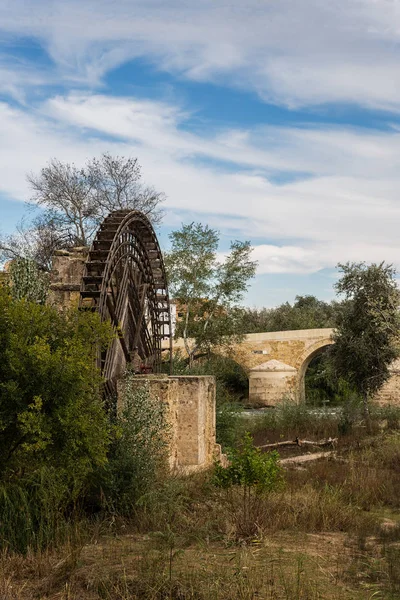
{"x":190,"y":404}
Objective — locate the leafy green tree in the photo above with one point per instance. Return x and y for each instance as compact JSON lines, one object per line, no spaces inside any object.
{"x":51,"y":408}
{"x":367,"y":327}
{"x":206,"y":289}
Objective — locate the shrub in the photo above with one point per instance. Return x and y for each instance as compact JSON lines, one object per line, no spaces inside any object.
{"x":28,"y":281}
{"x":51,"y":409}
{"x":138,"y":450}
{"x":250,"y":468}
{"x":54,"y":429}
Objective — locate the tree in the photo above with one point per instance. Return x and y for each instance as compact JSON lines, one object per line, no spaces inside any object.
{"x":74,"y":201}
{"x":35,"y":242}
{"x":367,"y":327}
{"x":116,"y":182}
{"x":307,"y":312}
{"x":206,"y":289}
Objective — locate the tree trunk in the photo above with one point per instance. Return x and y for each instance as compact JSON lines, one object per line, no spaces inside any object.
{"x":320,"y":444}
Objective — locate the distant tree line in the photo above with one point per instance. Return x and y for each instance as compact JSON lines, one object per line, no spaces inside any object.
{"x":307,"y":312}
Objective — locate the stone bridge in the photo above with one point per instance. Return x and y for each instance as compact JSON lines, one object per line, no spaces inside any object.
{"x":276,"y":363}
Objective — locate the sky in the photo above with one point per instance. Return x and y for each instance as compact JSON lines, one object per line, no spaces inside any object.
{"x":272,"y":121}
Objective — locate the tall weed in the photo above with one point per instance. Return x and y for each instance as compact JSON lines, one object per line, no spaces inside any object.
{"x":35,"y":511}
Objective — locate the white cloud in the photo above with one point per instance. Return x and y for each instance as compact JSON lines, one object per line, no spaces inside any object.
{"x":296,"y":53}
{"x":286,"y":259}
{"x":323,"y":151}
{"x":349,"y":212}
{"x":16,"y":78}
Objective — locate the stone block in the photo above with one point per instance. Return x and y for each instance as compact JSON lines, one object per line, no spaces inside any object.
{"x":191,"y":415}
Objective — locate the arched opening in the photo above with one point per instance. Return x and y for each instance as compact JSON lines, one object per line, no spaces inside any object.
{"x":319,"y":390}
{"x":313,"y":380}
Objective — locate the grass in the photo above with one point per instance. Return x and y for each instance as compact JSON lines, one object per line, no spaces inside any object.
{"x":331,"y":532}
{"x":290,"y":567}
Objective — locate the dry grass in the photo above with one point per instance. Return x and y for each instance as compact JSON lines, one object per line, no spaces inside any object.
{"x":282,"y":567}
{"x":332,"y":532}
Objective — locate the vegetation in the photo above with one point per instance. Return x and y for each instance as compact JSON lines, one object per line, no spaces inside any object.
{"x":28,"y":280}
{"x":61,"y":454}
{"x":207,"y":291}
{"x":88,"y":510}
{"x":323,"y":386}
{"x":367,"y":327}
{"x":74,"y":201}
{"x":249,"y":468}
{"x":51,"y":412}
{"x":330,"y":532}
{"x":117,"y":526}
{"x":307,"y":312}
{"x":137,"y":453}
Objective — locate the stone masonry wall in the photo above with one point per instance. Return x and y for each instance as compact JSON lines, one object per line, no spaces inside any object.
{"x":389,"y":394}
{"x":295,"y":349}
{"x":66,"y":275}
{"x":191,"y":415}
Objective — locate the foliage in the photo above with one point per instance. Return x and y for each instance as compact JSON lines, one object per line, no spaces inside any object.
{"x":138,"y":449}
{"x":250,"y":468}
{"x":367,"y":327}
{"x":231,"y":376}
{"x":51,"y":410}
{"x":28,"y":281}
{"x":205,"y":289}
{"x":307,"y":312}
{"x":229,"y":424}
{"x":74,"y":201}
{"x":323,"y":386}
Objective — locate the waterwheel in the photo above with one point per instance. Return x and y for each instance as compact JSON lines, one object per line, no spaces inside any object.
{"x":124,"y":281}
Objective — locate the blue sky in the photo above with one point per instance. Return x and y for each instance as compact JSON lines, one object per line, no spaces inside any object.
{"x":277,"y":122}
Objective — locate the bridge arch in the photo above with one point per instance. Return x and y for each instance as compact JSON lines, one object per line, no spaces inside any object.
{"x":304,"y":360}
{"x":259,"y":354}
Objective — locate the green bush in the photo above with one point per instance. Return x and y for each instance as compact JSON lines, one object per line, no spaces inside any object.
{"x":138,"y":451}
{"x":51,"y":408}
{"x":250,"y":468}
{"x":54,"y":429}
